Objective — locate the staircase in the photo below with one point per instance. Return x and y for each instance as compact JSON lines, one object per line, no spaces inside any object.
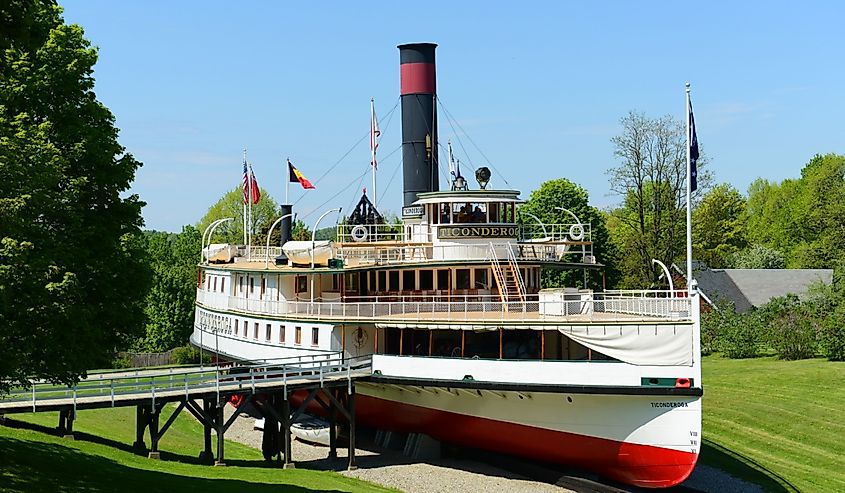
{"x":508,"y":277}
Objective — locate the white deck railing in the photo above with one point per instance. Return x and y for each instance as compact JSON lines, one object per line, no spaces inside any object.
{"x":482,"y":308}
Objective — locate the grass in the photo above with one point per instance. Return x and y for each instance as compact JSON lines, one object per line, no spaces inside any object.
{"x":776,"y":423}
{"x":101,"y":459}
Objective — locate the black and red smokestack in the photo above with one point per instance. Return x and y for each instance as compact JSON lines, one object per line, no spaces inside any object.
{"x":419,"y":119}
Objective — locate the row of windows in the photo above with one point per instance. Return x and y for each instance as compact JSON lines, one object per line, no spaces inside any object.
{"x":215,"y":323}
{"x":243,"y":330}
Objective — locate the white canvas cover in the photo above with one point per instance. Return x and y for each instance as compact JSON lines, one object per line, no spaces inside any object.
{"x":653,"y":345}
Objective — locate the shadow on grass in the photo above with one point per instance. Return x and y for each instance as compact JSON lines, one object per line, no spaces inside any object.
{"x":38,"y":466}
{"x":743,"y":467}
{"x":125,"y":447}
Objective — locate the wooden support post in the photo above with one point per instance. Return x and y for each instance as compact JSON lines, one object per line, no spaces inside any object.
{"x":65,"y":428}
{"x":140,"y":424}
{"x":430,"y":340}
{"x":342,"y":341}
{"x":401,"y":340}
{"x":463,"y":341}
{"x":501,"y":335}
{"x":351,"y":406}
{"x":542,"y":344}
{"x":152,"y":421}
{"x":270,"y":437}
{"x":286,"y":430}
{"x":221,"y":430}
{"x":332,"y":429}
{"x":207,"y":455}
{"x":375,"y":348}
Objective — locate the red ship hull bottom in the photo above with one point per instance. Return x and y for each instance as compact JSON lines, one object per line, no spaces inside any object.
{"x":639,"y":465}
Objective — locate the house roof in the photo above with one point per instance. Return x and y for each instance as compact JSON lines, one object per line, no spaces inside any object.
{"x":755,"y":287}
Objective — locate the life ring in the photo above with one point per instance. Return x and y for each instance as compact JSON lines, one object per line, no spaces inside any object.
{"x":576,"y":232}
{"x":359,"y":233}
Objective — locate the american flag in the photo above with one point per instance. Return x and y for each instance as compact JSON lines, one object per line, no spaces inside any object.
{"x":374,"y":133}
{"x":246,"y":183}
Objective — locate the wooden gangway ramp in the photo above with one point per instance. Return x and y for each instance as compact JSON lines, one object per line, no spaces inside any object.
{"x":326,"y":379}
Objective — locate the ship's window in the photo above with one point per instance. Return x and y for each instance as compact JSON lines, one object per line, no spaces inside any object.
{"x":278,"y":287}
{"x":483,"y":344}
{"x":263,"y":286}
{"x":240,"y":284}
{"x":255,"y":332}
{"x":393,"y":280}
{"x":268,"y":330}
{"x":352,"y":282}
{"x":215,"y":284}
{"x":462,"y":279}
{"x":315,"y":336}
{"x":335,"y":282}
{"x":445,"y":213}
{"x":297,"y":335}
{"x":446,"y":343}
{"x":222,"y":284}
{"x":251,"y":285}
{"x":382,"y":280}
{"x":481,"y":279}
{"x":409,"y":280}
{"x":282,"y":329}
{"x":415,"y":342}
{"x":494,"y":212}
{"x":236,"y":326}
{"x":521,"y":344}
{"x":301,"y":284}
{"x":443,"y":279}
{"x":426,"y":280}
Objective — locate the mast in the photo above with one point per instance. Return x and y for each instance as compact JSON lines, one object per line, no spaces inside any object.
{"x":374,"y":134}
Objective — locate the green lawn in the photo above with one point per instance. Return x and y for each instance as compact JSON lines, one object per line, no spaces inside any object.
{"x":778,"y":423}
{"x":101,"y":460}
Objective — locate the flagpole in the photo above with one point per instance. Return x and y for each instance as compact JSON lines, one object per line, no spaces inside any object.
{"x":251,"y":181}
{"x":689,"y":193}
{"x":373,"y":149}
{"x":246,"y":241}
{"x":287,"y":183}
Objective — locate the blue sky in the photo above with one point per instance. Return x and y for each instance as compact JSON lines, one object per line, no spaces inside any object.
{"x":539,"y":87}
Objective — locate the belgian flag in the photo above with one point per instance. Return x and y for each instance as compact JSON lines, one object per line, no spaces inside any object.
{"x":297,"y":177}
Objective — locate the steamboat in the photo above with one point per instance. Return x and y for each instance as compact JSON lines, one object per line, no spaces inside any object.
{"x":466,"y":344}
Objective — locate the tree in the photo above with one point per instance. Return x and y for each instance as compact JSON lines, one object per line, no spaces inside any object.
{"x":543,"y":204}
{"x":651,"y":179}
{"x":719,"y":226}
{"x":757,"y":257}
{"x":264,"y":213}
{"x":804,"y":218}
{"x":169,"y":304}
{"x":72,"y":259}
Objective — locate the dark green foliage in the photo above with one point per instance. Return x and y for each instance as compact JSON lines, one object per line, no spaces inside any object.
{"x":735,"y":335}
{"x":189,"y":355}
{"x":170,"y":301}
{"x":563,"y":193}
{"x":792,"y":329}
{"x":832,"y":335}
{"x":72,"y":261}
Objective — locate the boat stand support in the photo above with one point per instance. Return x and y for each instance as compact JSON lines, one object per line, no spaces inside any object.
{"x":204,"y":415}
{"x":66,"y":418}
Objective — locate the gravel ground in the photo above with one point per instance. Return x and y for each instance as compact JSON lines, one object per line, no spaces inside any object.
{"x":394,"y":470}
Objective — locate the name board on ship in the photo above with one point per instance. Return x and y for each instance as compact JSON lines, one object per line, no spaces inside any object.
{"x":477,"y":232}
{"x":412,"y":211}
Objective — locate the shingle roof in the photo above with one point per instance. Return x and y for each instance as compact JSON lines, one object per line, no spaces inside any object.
{"x":755,"y":287}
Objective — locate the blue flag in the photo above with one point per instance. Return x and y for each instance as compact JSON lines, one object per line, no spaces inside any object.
{"x":693,"y":152}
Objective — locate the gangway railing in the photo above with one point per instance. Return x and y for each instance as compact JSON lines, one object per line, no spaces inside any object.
{"x":110,"y":389}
